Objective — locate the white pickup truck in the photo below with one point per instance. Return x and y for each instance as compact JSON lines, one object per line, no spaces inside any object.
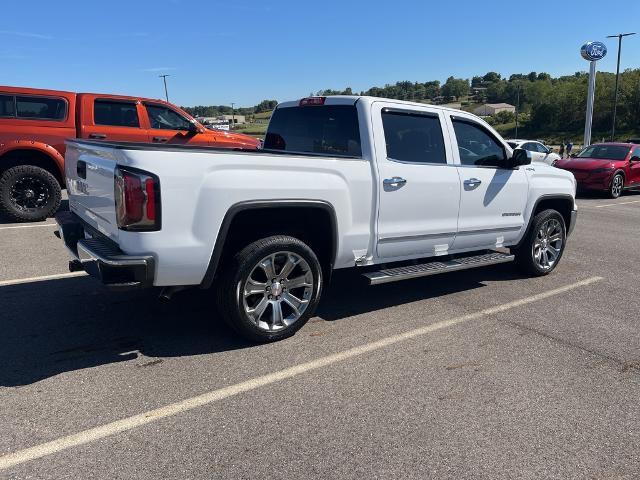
{"x":397,"y":189}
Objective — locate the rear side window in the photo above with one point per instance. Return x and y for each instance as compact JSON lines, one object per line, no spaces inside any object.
{"x":413,"y":137}
{"x":327,"y":129}
{"x":476,"y":146}
{"x":7,"y":106}
{"x":117,"y":114}
{"x":41,"y":108}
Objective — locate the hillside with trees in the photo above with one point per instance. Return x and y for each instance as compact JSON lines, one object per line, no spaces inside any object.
{"x":552,"y":108}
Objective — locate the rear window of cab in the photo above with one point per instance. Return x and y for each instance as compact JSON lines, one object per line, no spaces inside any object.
{"x":33,"y":107}
{"x":331,"y":130}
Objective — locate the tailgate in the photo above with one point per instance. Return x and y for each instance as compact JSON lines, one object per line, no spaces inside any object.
{"x":89,"y":169}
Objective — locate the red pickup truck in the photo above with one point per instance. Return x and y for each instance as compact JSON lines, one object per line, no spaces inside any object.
{"x":34,"y":124}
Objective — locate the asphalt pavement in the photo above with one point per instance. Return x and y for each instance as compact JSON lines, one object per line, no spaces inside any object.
{"x":475,"y":374}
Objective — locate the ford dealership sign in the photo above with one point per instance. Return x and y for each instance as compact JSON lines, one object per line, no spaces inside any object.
{"x":593,"y":51}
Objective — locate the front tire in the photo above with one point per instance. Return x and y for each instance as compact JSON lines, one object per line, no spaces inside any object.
{"x":544,"y":244}
{"x":29,"y":193}
{"x":617,"y":185}
{"x":270,"y":289}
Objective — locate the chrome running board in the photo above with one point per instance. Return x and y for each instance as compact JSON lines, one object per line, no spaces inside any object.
{"x":435,"y":267}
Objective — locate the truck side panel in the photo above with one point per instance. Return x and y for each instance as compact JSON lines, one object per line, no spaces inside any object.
{"x":198,"y":188}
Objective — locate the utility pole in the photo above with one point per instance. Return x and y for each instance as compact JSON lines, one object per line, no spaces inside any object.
{"x":517,"y":106}
{"x":164,"y":79}
{"x":615,"y":95}
{"x":233,"y":116}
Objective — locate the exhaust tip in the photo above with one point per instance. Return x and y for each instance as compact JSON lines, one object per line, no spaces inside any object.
{"x":75,"y":266}
{"x":167,"y":292}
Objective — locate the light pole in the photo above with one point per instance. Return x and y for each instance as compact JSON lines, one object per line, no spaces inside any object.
{"x":517,"y":106}
{"x":233,"y":116}
{"x":615,"y":95}
{"x":164,"y":79}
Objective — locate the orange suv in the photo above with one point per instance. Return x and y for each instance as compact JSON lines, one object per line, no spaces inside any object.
{"x":34,"y":124}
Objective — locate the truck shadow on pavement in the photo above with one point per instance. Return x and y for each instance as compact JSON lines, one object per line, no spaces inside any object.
{"x":4,"y":220}
{"x":58,"y":326}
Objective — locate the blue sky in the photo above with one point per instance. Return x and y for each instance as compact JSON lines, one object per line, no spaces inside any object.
{"x":244,"y":51}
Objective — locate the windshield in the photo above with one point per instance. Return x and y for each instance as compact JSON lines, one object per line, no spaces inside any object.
{"x":605,"y":152}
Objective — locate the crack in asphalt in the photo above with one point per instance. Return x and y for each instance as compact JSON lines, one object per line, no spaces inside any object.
{"x":624,"y":366}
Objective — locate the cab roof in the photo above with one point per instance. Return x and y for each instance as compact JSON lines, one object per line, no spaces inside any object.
{"x":352,"y":99}
{"x":43,"y":91}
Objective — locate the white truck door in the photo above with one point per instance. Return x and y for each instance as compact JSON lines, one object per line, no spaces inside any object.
{"x":493,"y":199}
{"x":419,"y":191}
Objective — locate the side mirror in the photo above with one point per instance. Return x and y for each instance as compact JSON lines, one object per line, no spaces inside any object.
{"x":193,"y":128}
{"x":520,"y":157}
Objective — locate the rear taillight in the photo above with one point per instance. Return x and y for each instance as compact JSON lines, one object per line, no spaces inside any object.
{"x":137,"y":200}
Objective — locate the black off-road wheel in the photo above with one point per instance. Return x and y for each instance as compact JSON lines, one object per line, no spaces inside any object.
{"x":28,"y":193}
{"x":270,"y":289}
{"x":544,"y":244}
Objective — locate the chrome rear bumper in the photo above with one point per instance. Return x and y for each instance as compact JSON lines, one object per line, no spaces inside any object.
{"x":101,"y":257}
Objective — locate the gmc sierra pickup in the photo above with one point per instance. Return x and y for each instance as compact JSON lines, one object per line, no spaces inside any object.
{"x":396,"y":189}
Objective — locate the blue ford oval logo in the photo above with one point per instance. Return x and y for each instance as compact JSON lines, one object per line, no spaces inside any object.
{"x":593,"y":51}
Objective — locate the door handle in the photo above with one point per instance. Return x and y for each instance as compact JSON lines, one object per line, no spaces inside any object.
{"x":160,"y":139}
{"x":472,"y":182}
{"x":394,"y":182}
{"x":97,"y":136}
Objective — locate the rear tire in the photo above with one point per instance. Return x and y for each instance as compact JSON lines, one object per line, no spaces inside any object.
{"x":29,"y":193}
{"x":617,"y":185}
{"x":544,"y":244}
{"x":270,"y":289}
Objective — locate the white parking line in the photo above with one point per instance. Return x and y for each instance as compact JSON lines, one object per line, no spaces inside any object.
{"x":614,"y":204}
{"x":18,"y":281}
{"x":136,"y":421}
{"x":13,"y":227}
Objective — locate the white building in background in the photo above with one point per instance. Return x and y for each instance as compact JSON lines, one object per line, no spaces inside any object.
{"x":238,"y":119}
{"x":223,"y":120}
{"x":493,"y":108}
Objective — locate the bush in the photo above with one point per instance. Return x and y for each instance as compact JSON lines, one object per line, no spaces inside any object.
{"x":504,"y":117}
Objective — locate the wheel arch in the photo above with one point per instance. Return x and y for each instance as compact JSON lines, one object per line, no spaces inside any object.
{"x":37,"y":154}
{"x":562,"y":203}
{"x":621,"y":172}
{"x":316,"y":225}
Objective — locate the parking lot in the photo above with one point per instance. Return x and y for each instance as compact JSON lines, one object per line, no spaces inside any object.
{"x":482,"y":373}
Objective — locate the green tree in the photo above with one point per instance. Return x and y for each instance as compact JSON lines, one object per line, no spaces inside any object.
{"x":504,"y":117}
{"x":455,"y":87}
{"x":491,"y":77}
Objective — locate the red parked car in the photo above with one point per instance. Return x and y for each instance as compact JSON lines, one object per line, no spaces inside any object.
{"x":607,"y":167}
{"x":34,"y":125}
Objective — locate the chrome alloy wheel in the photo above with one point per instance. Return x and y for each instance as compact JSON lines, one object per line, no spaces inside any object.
{"x":616,"y":187}
{"x":278,"y":290}
{"x":548,"y":244}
